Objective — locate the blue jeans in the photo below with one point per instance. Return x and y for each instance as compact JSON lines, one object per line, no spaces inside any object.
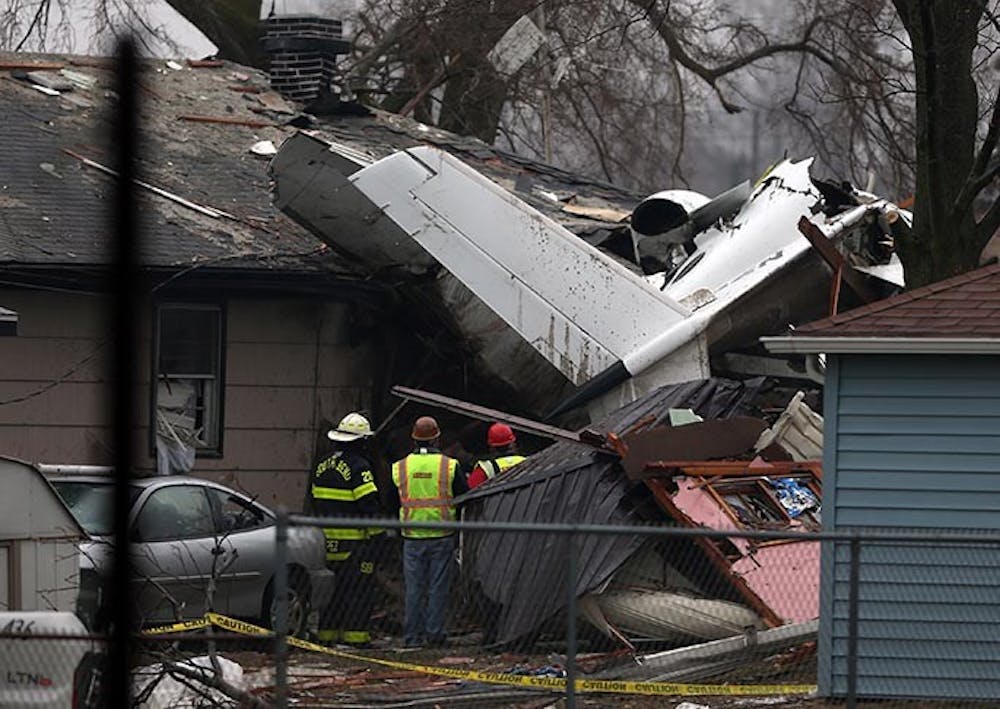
{"x":427,"y":565}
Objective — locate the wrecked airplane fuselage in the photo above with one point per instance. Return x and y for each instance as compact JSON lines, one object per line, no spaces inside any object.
{"x":544,"y":311}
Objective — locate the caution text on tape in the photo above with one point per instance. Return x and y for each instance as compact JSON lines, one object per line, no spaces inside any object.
{"x":553,"y":683}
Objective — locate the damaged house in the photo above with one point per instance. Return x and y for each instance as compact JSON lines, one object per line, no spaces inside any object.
{"x":255,"y":334}
{"x":259,"y":332}
{"x":632,"y":324}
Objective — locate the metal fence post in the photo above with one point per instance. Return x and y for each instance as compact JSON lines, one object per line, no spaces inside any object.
{"x":125,"y":294}
{"x":281,"y":612}
{"x":571,"y":621}
{"x":852,"y":623}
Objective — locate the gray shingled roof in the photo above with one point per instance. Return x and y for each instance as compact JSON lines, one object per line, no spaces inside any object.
{"x":55,"y":211}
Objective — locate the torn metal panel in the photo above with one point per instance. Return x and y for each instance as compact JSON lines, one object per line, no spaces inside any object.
{"x":652,"y":667}
{"x":573,"y":482}
{"x":312,"y":185}
{"x":891,"y":272}
{"x":483,"y":413}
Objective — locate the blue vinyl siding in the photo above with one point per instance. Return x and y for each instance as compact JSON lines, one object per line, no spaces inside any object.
{"x":913,"y":443}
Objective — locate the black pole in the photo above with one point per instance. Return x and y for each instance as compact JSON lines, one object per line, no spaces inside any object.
{"x":124,"y":290}
{"x":571,"y":574}
{"x":852,"y":624}
{"x":281,"y":620}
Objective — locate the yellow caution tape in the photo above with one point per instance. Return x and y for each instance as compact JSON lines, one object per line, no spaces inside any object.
{"x":554,"y":683}
{"x":178,"y":627}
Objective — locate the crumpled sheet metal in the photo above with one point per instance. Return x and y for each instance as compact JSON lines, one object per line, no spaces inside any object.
{"x":525,"y":574}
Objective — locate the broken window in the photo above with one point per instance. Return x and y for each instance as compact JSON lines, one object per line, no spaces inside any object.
{"x":751,"y":503}
{"x":188,"y":394}
{"x":756,"y":503}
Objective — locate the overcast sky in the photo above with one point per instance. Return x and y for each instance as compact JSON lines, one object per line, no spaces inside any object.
{"x":76,"y":31}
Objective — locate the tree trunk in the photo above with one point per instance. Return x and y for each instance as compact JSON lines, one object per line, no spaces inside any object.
{"x":475,"y":93}
{"x":473,"y":99}
{"x":233,"y":25}
{"x":943,"y":34}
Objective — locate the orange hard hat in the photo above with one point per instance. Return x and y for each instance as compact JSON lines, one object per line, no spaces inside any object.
{"x":499,"y":435}
{"x":425,"y":428}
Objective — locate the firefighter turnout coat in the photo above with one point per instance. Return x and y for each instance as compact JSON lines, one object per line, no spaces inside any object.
{"x":343,"y":486}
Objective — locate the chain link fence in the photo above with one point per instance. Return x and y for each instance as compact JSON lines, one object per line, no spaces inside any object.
{"x":673,"y":622}
{"x":591,"y":616}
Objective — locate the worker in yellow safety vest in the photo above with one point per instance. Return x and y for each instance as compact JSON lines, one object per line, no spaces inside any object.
{"x":502,"y":457}
{"x":343,"y":486}
{"x":424,"y":484}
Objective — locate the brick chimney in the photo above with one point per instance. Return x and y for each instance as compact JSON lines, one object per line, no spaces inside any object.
{"x":303,"y":51}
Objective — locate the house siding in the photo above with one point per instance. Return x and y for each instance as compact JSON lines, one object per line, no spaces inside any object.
{"x":913,"y":444}
{"x":289,"y":365}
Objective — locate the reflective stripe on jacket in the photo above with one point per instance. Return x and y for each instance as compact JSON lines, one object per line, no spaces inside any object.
{"x":343,"y":486}
{"x":425,"y":483}
{"x":495,"y":466}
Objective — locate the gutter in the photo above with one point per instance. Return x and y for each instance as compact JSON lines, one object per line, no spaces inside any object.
{"x":804,"y":344}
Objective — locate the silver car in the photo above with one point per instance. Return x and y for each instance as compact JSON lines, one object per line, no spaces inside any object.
{"x":196,"y":546}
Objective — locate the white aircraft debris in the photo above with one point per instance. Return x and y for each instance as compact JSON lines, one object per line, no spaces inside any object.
{"x":610,"y":332}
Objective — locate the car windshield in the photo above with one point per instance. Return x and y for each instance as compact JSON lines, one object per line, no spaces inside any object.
{"x":90,"y":502}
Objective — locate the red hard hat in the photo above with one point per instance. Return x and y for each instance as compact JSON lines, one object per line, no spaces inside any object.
{"x":500,"y":435}
{"x":425,"y":428}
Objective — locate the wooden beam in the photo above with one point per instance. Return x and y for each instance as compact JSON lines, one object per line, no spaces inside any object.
{"x":225,"y":120}
{"x":854,"y":278}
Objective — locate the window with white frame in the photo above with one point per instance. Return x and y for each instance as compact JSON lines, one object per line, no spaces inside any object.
{"x":188,"y":360}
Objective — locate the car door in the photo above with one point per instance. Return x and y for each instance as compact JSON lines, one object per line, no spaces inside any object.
{"x":174,"y":545}
{"x":246,"y":531}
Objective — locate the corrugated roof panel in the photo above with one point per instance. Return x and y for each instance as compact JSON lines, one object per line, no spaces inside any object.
{"x":569,"y":482}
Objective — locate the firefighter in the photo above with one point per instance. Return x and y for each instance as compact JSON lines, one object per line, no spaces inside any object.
{"x":502,"y":456}
{"x":424,"y":484}
{"x":343,"y":485}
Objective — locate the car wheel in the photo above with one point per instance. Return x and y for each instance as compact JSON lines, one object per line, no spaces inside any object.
{"x":298,"y":605}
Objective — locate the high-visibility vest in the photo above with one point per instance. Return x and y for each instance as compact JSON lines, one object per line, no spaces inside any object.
{"x":495,"y":466}
{"x":424,"y":481}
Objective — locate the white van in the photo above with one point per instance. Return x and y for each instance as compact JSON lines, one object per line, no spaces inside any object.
{"x":42,"y":670}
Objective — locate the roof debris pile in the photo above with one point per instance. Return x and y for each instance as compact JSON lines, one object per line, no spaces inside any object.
{"x":689,"y":455}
